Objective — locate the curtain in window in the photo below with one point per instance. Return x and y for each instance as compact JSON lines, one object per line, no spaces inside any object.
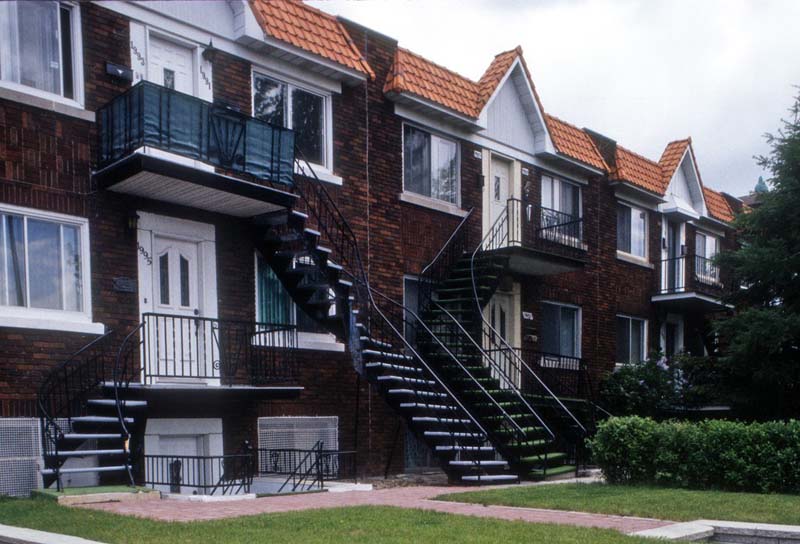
{"x":559,"y":330}
{"x":269,"y":101}
{"x":445,"y":176}
{"x":637,"y":339}
{"x":569,"y":201}
{"x":568,"y":333}
{"x":624,"y":229}
{"x":416,"y":161}
{"x":44,"y":268}
{"x":12,"y":261}
{"x":638,"y":231}
{"x":29,"y":41}
{"x":308,"y":123}
{"x":274,"y":304}
{"x":547,"y":192}
{"x":550,"y":340}
{"x":623,"y":340}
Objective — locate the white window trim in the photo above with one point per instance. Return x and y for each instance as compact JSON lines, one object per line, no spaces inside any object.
{"x":323,"y":171}
{"x":48,"y":319}
{"x":632,"y":257}
{"x":579,"y":325}
{"x":645,"y":335}
{"x":305,"y":340}
{"x":560,"y":180}
{"x":54,"y":101}
{"x":424,"y":200}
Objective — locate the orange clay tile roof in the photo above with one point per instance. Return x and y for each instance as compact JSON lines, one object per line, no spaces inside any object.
{"x":311,"y":30}
{"x":575,"y":143}
{"x":717,"y":205}
{"x":417,"y":75}
{"x":640,"y":171}
{"x":671,"y":158}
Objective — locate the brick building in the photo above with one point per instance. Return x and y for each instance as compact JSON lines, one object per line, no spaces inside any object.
{"x":251,"y":221}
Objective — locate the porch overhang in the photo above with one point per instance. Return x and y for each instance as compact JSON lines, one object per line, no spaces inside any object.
{"x":160,"y":179}
{"x":199,"y":394}
{"x":690,"y":301}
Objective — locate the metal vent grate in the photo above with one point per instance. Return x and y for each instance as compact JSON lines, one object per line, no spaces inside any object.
{"x":298,"y":432}
{"x":20,"y":456}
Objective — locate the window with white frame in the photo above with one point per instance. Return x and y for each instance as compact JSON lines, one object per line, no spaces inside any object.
{"x":43,"y":263}
{"x":631,"y":339}
{"x":561,"y":196}
{"x":38,"y":46}
{"x":631,"y":230}
{"x":706,"y":247}
{"x":560,"y":330}
{"x":430,"y":165}
{"x":285,"y":105}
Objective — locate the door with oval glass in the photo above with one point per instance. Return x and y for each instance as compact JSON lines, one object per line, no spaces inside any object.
{"x":180,"y":340}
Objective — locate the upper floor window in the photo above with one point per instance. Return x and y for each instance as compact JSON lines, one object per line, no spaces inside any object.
{"x":706,"y":247}
{"x":38,"y":46}
{"x":560,"y":329}
{"x":631,"y":339}
{"x":631,"y":230}
{"x":561,"y":196}
{"x":43,"y":262}
{"x":430,"y":165}
{"x":303,"y":111}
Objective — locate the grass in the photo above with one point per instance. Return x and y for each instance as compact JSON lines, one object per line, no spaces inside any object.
{"x":649,"y":502}
{"x":52,"y":493}
{"x":350,"y":525}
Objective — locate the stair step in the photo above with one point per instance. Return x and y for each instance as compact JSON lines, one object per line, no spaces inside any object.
{"x":404,"y":379}
{"x":389,"y":366}
{"x":432,"y":434}
{"x":386,"y":355}
{"x":440,"y":420}
{"x":86,"y":453}
{"x":92,"y":436}
{"x":112,"y":402}
{"x":490,"y":478}
{"x":100,"y":419}
{"x":378,"y":343}
{"x":482,"y":463}
{"x":484,"y":449}
{"x":444,"y":407}
{"x":82,"y":470}
{"x":418,"y":393}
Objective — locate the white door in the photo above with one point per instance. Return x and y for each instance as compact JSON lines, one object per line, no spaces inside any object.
{"x":500,"y":313}
{"x":181,"y":344}
{"x":170,"y":65}
{"x":499,"y":187}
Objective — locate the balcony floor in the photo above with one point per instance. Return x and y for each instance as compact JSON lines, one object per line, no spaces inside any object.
{"x":164,"y":180}
{"x":525,"y":261}
{"x":690,"y":301}
{"x":200,"y":393}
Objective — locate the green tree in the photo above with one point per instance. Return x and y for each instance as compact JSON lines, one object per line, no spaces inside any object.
{"x":760,"y":363}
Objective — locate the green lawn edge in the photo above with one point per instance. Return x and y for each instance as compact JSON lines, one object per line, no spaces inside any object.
{"x":351,"y":525}
{"x":643,"y":501}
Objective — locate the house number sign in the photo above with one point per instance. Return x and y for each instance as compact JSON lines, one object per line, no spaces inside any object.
{"x":145,"y":254}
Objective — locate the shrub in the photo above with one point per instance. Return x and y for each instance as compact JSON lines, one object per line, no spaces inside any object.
{"x":729,"y":455}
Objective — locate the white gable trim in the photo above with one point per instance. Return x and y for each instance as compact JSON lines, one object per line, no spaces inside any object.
{"x":548,"y":146}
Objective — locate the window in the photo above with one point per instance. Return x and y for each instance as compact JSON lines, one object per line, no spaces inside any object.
{"x":631,"y":339}
{"x":706,"y":247}
{"x":42,"y":263}
{"x":37,"y":46}
{"x":561,"y":196}
{"x":560,"y":330}
{"x":285,"y":105}
{"x":631,"y":230}
{"x":430,"y":165}
{"x":275,"y":305}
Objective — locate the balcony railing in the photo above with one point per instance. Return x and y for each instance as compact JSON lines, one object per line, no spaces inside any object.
{"x":333,"y":464}
{"x":152,"y":116}
{"x":690,"y":273}
{"x":200,"y":474}
{"x":565,"y":376}
{"x":535,"y":227}
{"x":175,"y":347}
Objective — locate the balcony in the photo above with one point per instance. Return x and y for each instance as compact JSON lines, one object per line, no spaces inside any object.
{"x":539,"y":241}
{"x":690,"y":282}
{"x":163,"y":145}
{"x":209,"y":359}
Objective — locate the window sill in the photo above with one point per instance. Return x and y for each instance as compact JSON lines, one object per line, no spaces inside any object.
{"x":633,"y":259}
{"x":432,"y":204}
{"x":318,"y":342}
{"x":45,"y":101}
{"x":52,"y":324}
{"x":322,"y":173}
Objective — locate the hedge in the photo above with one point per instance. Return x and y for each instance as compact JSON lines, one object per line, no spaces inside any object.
{"x":728,"y":455}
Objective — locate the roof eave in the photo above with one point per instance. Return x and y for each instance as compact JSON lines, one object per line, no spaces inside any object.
{"x":433,"y":109}
{"x":555,"y":154}
{"x":640,"y":191}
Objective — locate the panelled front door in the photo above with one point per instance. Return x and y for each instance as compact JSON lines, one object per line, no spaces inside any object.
{"x":170,"y":65}
{"x":499,"y":188}
{"x":500,"y":312}
{"x":178,"y":300}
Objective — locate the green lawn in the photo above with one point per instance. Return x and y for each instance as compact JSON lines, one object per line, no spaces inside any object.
{"x":350,"y":525}
{"x":650,"y":502}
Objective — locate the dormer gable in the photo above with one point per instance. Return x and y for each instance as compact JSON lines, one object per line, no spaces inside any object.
{"x":684,"y":188}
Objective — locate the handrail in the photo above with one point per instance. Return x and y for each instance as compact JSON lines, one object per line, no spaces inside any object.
{"x":298,"y":480}
{"x":447,"y":243}
{"x":496,"y":334}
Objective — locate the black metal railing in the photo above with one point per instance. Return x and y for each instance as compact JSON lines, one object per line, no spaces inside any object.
{"x":522,"y":224}
{"x":200,"y":474}
{"x":335,"y":464}
{"x":63,"y":394}
{"x":565,"y":376}
{"x":149,"y":115}
{"x":689,"y":273}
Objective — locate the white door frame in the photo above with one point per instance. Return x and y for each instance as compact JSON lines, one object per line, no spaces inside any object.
{"x":514,"y":187}
{"x":203,"y":234}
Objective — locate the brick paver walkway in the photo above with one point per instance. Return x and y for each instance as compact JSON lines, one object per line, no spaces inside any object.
{"x":403,"y":497}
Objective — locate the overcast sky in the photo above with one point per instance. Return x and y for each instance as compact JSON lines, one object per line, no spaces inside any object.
{"x":642,"y":72}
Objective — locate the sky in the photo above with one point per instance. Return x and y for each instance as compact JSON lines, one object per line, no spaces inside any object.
{"x":643,"y":72}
